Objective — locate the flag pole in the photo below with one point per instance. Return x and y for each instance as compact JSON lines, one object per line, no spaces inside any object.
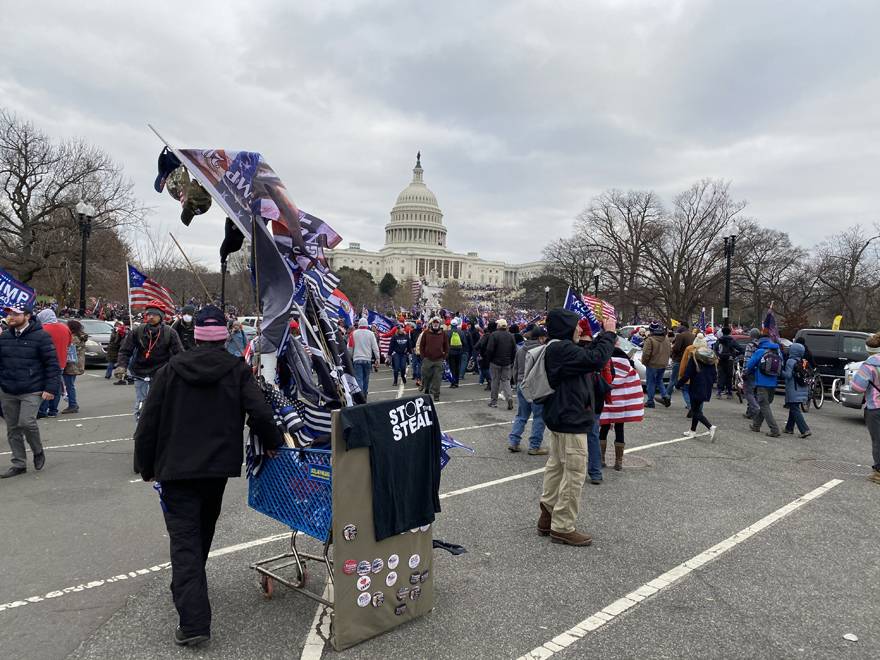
{"x":128,"y":294}
{"x":192,"y":268}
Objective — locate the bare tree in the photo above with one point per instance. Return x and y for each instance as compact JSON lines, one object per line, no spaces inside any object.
{"x":848,"y":273}
{"x":618,"y":228}
{"x":40,"y":183}
{"x":686,"y":260}
{"x":573,"y":259}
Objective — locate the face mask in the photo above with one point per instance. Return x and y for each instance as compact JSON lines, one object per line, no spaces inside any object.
{"x":187,"y":317}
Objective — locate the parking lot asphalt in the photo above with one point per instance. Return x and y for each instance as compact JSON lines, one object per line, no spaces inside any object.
{"x":84,"y":551}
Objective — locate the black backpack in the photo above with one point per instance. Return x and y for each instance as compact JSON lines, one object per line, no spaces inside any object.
{"x":799,"y":373}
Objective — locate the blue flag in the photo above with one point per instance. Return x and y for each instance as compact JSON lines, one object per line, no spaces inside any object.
{"x":382,"y":322}
{"x":579,"y":307}
{"x":13,"y":292}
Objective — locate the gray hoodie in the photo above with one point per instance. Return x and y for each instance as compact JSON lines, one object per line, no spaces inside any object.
{"x":47,"y":316}
{"x":520,"y":362}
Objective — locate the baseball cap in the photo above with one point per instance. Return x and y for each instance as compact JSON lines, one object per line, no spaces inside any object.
{"x":19,"y":308}
{"x":197,"y":201}
{"x":168,"y":162}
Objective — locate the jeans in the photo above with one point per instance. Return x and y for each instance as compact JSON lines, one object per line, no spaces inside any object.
{"x":417,"y":367}
{"x":485,"y":376}
{"x":670,"y":386}
{"x":524,"y":409}
{"x":70,"y":386}
{"x":454,"y":361}
{"x":141,"y":390}
{"x":653,"y":383}
{"x":398,"y":365}
{"x":765,"y":398}
{"x":51,"y":407}
{"x":795,"y":417}
{"x":192,"y":507}
{"x":465,"y":356}
{"x":20,"y":411}
{"x":109,"y":372}
{"x":594,"y":452}
{"x":500,"y":380}
{"x":872,"y":420}
{"x":751,"y":401}
{"x":362,"y":374}
{"x":697,"y":415}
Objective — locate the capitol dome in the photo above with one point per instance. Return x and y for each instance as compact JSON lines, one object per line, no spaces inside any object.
{"x":416,"y":218}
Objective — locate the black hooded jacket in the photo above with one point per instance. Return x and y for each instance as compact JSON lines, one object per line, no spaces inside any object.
{"x":568,"y":409}
{"x":192,"y":421}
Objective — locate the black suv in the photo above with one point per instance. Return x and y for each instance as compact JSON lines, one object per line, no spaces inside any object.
{"x":833,"y":349}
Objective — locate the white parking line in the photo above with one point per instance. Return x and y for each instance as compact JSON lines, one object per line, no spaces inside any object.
{"x":77,"y":444}
{"x":83,"y":419}
{"x":661,"y":582}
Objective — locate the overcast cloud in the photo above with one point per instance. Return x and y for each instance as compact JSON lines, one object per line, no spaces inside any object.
{"x":523,"y":111}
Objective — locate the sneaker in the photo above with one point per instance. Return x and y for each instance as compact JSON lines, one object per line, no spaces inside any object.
{"x":754,"y":429}
{"x":39,"y":460}
{"x":666,"y":401}
{"x":52,"y":414}
{"x":42,"y":415}
{"x":773,"y":434}
{"x":689,"y":434}
{"x":513,"y":449}
{"x":806,"y":434}
{"x":650,"y":405}
{"x":712,"y":430}
{"x":182,"y":639}
{"x":538,"y":451}
{"x":493,"y":404}
{"x":574,"y":538}
{"x":509,"y":404}
{"x":747,"y":415}
{"x":596,"y":482}
{"x":13,"y":472}
{"x":120,"y":382}
{"x":69,"y":410}
{"x":788,"y":432}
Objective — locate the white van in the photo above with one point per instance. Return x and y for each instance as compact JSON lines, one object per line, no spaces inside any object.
{"x":251,"y":321}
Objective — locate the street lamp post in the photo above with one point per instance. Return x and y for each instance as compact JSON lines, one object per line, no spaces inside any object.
{"x":729,"y":244}
{"x":596,"y":282}
{"x":546,"y":299}
{"x":85,"y":212}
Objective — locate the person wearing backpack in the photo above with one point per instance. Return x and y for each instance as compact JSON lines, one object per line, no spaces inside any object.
{"x":727,"y":351}
{"x":457,"y":342}
{"x":700,"y":374}
{"x":151,"y":345}
{"x":569,"y":414}
{"x":867,"y":381}
{"x":795,"y":391}
{"x":525,"y":408}
{"x":766,"y":364}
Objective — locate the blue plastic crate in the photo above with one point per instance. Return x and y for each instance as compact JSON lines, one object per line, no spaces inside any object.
{"x":296,"y":488}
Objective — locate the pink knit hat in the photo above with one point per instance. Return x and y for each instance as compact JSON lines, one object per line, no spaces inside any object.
{"x":210,"y":324}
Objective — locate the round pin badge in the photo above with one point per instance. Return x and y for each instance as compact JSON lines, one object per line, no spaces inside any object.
{"x":400,"y":609}
{"x":414,"y":593}
{"x":363,"y":600}
{"x":424,"y":528}
{"x":364,"y":567}
{"x":378,"y":565}
{"x":363,"y":582}
{"x":378,"y":599}
{"x":349,"y":532}
{"x":414,"y":561}
{"x":393,"y":560}
{"x":391,"y":579}
{"x":414,"y":578}
{"x":349,"y":567}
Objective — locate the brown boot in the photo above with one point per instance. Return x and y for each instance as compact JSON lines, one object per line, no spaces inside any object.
{"x":571,"y":538}
{"x":875,"y":477}
{"x":618,"y":456}
{"x":544,"y":521}
{"x":603,"y":445}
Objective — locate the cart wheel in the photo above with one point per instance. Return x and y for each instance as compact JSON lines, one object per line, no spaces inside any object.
{"x":267,"y":586}
{"x":300,"y":579}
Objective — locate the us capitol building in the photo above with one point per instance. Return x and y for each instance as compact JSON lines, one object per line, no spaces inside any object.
{"x":415,"y":247}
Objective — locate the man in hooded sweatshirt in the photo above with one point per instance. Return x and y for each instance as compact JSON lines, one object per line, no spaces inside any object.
{"x":568,"y":413}
{"x":185,"y":327}
{"x":765,"y":383}
{"x":189,"y":438}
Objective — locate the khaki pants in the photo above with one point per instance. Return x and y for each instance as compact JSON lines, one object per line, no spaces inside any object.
{"x":564,"y":479}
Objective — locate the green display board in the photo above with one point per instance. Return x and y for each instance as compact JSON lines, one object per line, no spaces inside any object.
{"x":377,"y":585}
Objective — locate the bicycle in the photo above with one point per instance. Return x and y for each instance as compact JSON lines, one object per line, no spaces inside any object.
{"x":815,"y":390}
{"x":738,"y":382}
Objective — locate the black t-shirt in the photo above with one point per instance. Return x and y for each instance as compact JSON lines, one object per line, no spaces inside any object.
{"x":404,"y":440}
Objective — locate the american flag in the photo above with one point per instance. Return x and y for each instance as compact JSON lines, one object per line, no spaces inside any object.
{"x":601,"y":308}
{"x":770,"y":326}
{"x":316,"y":418}
{"x":416,"y":291}
{"x":143,"y":290}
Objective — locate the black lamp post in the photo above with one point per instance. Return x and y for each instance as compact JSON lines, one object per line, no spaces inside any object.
{"x":85,"y":212}
{"x":546,"y":299}
{"x":596,"y":283}
{"x":729,"y":243}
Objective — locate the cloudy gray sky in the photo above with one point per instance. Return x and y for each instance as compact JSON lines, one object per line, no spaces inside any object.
{"x":523,"y":110}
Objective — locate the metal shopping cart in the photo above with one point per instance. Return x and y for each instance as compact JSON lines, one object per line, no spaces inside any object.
{"x":295,"y":488}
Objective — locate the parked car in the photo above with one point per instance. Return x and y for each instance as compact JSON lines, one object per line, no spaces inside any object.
{"x":847,"y":396}
{"x":833,"y":350}
{"x":99,"y":337}
{"x":250,"y":321}
{"x":628,"y":331}
{"x":635,"y":354}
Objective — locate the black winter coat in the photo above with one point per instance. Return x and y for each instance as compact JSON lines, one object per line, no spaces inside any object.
{"x":501,"y":348}
{"x":192,"y":421}
{"x":700,"y":378}
{"x":137,"y":342}
{"x":186,"y":332}
{"x":28,"y":362}
{"x":569,"y":408}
